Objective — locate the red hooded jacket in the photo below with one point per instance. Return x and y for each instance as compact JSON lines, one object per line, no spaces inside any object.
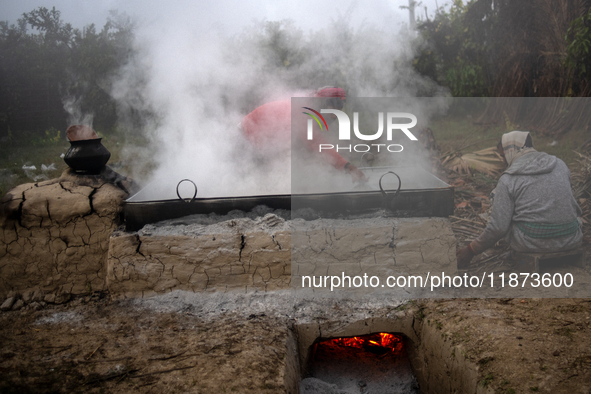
{"x":270,"y":124}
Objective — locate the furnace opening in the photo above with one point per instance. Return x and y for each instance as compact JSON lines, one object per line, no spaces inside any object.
{"x":374,"y":363}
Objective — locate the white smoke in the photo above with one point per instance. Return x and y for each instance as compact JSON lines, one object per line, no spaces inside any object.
{"x":75,"y":114}
{"x":200,"y":82}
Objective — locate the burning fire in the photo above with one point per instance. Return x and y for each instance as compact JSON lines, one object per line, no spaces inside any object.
{"x":380,"y":340}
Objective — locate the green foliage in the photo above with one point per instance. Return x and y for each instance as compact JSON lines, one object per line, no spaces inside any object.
{"x":508,"y":48}
{"x":466,"y":79}
{"x":578,"y":49}
{"x":454,"y":49}
{"x":43,"y":61}
{"x":51,"y":136}
{"x":510,"y":126}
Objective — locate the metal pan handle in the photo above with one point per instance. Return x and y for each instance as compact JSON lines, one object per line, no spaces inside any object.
{"x":367,"y":159}
{"x":186,"y":199}
{"x":397,"y":190}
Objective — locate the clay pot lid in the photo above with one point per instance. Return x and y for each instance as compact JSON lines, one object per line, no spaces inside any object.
{"x":80,"y":132}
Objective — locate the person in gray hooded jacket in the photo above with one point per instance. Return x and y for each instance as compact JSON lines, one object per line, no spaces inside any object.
{"x":533,"y":206}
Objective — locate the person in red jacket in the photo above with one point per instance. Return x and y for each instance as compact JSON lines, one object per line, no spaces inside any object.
{"x":270,"y":126}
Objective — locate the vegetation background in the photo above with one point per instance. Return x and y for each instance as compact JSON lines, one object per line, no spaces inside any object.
{"x":53,"y":75}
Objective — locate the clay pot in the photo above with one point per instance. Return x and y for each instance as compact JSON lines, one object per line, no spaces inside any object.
{"x":87,"y":156}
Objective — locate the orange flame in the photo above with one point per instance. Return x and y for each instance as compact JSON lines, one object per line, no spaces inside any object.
{"x":382,"y":339}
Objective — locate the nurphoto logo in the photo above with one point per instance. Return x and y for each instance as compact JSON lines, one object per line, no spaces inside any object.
{"x":392,"y":124}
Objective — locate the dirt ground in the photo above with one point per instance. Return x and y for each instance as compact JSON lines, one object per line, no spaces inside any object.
{"x":97,"y":346}
{"x":520,"y":345}
{"x":94,"y":344}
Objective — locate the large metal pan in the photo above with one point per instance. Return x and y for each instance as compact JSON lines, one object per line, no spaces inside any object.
{"x":400,"y":192}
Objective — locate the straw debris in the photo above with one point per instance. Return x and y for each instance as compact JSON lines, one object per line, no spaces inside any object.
{"x":487,"y":161}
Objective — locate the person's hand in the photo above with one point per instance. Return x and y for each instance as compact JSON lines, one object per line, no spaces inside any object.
{"x":356,"y":174}
{"x":464,"y":256}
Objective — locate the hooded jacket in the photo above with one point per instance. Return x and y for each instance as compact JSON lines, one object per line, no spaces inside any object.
{"x":535,"y":189}
{"x":270,"y":126}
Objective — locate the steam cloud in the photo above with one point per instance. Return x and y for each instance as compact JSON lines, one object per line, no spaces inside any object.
{"x":75,"y":115}
{"x":200,"y":84}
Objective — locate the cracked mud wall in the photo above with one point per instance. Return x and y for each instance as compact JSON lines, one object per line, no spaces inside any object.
{"x":239,"y":254}
{"x":54,"y":235}
{"x":373,"y":246}
{"x":269,"y":253}
{"x":442,"y":367}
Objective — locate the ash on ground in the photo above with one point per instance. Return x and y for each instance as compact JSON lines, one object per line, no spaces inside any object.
{"x":261,"y":217}
{"x":354,"y":371}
